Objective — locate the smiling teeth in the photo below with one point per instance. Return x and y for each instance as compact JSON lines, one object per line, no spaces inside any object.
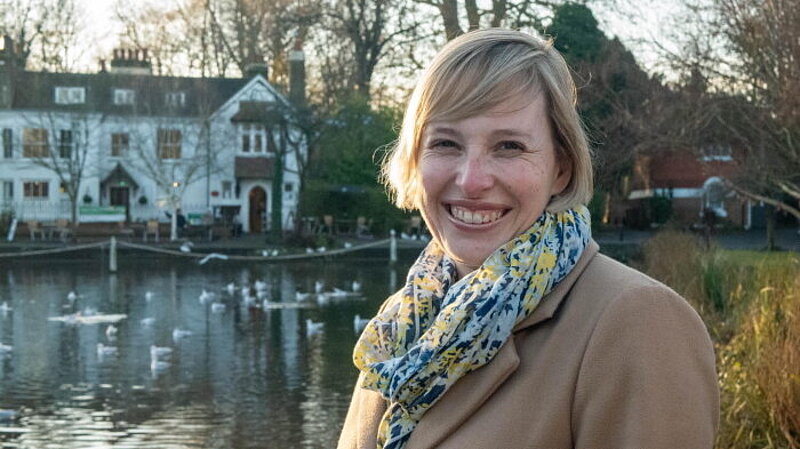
{"x":475,"y":216}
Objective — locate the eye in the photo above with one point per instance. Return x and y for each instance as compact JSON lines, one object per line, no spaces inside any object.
{"x":443,"y":144}
{"x":511,"y":145}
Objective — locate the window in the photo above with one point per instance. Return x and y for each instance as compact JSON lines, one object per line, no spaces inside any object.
{"x":35,"y":189}
{"x":175,"y":99}
{"x":253,"y":137}
{"x":8,"y":191}
{"x":70,"y":95}
{"x":124,"y":96}
{"x":34,"y":142}
{"x":8,"y":148}
{"x":227,"y":189}
{"x":169,"y":144}
{"x":120,"y":142}
{"x":65,"y":144}
{"x":716,"y":152}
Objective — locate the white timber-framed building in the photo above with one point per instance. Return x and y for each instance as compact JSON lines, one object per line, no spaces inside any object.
{"x":131,"y":146}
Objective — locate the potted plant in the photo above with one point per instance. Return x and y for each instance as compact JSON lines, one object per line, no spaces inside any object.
{"x":142,"y":200}
{"x":87,"y":199}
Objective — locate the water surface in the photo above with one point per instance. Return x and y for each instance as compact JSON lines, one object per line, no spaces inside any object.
{"x":244,"y":378}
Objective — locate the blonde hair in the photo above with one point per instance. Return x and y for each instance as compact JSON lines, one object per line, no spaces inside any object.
{"x":475,"y":73}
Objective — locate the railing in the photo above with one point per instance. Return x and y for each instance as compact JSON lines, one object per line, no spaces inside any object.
{"x":203,"y":258}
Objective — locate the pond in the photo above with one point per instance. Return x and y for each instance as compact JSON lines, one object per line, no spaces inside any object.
{"x":245,"y":376}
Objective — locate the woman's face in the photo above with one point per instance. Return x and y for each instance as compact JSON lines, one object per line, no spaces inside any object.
{"x":486,"y":179}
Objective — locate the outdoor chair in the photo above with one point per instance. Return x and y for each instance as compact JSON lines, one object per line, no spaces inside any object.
{"x":415,"y":226}
{"x":124,"y":231}
{"x":327,"y":224}
{"x":151,"y":228}
{"x":35,"y":228}
{"x":363,"y":226}
{"x":62,"y":229}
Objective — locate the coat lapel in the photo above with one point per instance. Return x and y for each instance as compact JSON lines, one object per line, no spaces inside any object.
{"x":471,"y":391}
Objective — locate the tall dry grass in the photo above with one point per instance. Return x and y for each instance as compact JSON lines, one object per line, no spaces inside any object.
{"x":750,"y":302}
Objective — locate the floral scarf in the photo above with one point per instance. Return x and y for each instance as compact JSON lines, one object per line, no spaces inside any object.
{"x":438,"y":329}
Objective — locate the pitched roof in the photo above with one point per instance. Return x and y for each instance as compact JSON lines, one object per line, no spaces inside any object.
{"x":253,"y":167}
{"x":36,"y":91}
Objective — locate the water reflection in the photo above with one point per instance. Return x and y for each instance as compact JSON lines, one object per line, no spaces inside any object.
{"x":244,"y":378}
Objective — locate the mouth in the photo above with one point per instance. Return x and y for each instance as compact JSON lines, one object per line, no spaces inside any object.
{"x":475,"y":216}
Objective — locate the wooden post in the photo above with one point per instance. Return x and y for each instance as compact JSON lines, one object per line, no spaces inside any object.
{"x":112,"y":255}
{"x":392,"y":246}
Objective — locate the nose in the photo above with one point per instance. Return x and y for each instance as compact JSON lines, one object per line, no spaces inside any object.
{"x":474,"y":176}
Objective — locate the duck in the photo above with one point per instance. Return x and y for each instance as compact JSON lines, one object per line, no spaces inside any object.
{"x":103,"y":350}
{"x":111,"y":332}
{"x":186,"y":247}
{"x":260,"y":285}
{"x":359,"y":323}
{"x":5,"y":308}
{"x":72,"y":296}
{"x":356,"y":286}
{"x":231,"y":288}
{"x":159,"y":351}
{"x":178,"y":334}
{"x":217,"y":307}
{"x":205,"y":296}
{"x":314,"y":328}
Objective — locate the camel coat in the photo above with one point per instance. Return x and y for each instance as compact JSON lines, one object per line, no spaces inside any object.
{"x":610,"y":359}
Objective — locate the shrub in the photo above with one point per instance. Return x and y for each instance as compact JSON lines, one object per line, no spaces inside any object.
{"x":751,"y":303}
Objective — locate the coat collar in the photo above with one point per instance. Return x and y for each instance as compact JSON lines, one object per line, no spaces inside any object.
{"x":471,"y":391}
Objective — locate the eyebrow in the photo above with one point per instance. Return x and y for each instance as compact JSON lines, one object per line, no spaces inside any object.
{"x":504,"y":132}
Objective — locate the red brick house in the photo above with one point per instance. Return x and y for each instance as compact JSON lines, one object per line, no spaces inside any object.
{"x":692,"y":183}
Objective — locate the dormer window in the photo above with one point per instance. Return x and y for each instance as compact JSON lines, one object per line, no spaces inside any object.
{"x":175,"y":99}
{"x":124,"y":96}
{"x":70,"y":95}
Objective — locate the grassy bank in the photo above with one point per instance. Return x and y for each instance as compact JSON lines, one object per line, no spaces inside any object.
{"x":750,"y":302}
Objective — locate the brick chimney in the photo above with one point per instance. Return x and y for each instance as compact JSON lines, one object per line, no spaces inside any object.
{"x":11,"y":63}
{"x":297,"y":73}
{"x":129,"y":61}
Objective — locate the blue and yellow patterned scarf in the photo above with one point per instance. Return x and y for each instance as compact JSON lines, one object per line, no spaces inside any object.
{"x":438,"y":329}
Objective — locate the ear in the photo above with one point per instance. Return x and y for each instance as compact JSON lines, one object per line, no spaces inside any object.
{"x":563,"y":173}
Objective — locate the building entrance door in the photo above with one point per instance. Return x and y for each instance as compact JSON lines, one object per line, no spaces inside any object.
{"x":120,"y":196}
{"x":258,"y":209}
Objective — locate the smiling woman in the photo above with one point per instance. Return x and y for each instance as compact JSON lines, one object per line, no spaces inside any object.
{"x":512,"y":331}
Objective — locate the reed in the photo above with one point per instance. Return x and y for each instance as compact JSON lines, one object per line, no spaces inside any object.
{"x":750,"y":302}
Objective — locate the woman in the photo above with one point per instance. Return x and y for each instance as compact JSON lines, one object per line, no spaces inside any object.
{"x":512,"y":331}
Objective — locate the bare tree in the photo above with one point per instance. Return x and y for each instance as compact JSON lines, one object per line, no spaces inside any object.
{"x":746,"y":53}
{"x":62,"y":143}
{"x":175,"y":153}
{"x":47,"y":32}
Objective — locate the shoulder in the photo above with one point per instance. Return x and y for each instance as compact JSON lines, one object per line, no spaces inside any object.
{"x":619,"y":289}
